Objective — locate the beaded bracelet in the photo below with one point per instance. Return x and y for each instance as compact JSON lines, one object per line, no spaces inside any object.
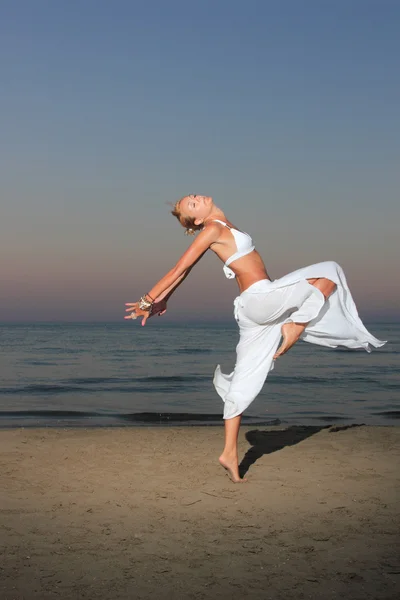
{"x":145,"y":304}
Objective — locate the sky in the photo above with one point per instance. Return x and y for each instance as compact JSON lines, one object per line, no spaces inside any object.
{"x":285,"y":112}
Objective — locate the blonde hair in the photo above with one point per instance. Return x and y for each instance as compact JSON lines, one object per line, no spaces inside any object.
{"x":187,"y":222}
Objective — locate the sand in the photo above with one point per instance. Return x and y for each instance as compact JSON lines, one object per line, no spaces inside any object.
{"x":136,"y":513}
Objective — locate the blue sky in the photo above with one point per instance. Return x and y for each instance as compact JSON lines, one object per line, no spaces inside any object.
{"x":285,"y":112}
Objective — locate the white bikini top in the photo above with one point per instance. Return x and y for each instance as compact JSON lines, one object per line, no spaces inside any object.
{"x":244,"y":245}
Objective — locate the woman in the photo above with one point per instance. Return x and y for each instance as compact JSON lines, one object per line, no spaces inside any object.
{"x":313,"y":303}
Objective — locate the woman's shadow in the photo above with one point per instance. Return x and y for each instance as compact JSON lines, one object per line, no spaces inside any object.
{"x":266,"y":442}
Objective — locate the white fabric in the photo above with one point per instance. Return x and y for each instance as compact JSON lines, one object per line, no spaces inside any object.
{"x":244,"y":245}
{"x":262,"y":309}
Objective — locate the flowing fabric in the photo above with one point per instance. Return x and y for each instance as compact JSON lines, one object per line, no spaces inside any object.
{"x":262,"y":309}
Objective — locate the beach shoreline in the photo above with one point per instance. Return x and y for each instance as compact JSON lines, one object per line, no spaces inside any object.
{"x":115,"y":513}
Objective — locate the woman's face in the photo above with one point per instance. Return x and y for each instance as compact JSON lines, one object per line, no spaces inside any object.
{"x":195,"y":206}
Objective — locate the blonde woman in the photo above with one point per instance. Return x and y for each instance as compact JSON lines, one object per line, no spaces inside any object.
{"x":313,"y":303}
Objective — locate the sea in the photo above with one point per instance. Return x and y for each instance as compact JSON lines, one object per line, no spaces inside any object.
{"x":125,"y":375}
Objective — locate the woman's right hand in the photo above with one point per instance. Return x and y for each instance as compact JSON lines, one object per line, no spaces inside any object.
{"x":158,"y":308}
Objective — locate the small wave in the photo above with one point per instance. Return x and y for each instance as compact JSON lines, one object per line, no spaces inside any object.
{"x":382,"y":369}
{"x":193,"y":351}
{"x":39,"y":363}
{"x":172,"y":378}
{"x":49,"y":414}
{"x":175,"y":417}
{"x":35,"y":389}
{"x":390,"y":386}
{"x":60,"y":351}
{"x":295,"y":380}
{"x":93,"y":380}
{"x":151,"y":417}
{"x":91,"y":385}
{"x":329,"y":418}
{"x":328,"y":380}
{"x":143,"y":417}
{"x":361,"y":379}
{"x":390,"y":414}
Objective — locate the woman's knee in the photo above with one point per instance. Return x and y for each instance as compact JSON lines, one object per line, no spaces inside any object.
{"x":326,"y":286}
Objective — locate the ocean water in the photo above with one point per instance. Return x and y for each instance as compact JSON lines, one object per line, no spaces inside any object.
{"x":122,"y":374}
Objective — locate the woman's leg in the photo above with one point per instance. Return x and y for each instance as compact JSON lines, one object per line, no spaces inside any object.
{"x":292,"y":331}
{"x":254,"y":359}
{"x":259,"y":318}
{"x":229,"y":457}
{"x":326,"y":286}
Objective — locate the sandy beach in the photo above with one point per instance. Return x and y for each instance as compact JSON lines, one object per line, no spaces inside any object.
{"x":148,"y":513}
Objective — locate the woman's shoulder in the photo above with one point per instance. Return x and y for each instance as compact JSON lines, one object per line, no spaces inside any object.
{"x":212,"y":229}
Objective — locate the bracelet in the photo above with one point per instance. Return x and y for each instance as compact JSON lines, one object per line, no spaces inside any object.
{"x":145,"y":304}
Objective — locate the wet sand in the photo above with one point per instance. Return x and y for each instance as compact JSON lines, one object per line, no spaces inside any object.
{"x":144,"y":513}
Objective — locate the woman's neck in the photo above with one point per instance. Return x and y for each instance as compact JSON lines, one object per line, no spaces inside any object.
{"x":216,"y":213}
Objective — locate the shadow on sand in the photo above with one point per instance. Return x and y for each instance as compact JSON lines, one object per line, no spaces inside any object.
{"x":266,"y":442}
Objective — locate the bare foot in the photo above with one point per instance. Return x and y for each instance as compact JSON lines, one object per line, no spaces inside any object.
{"x":231,"y":466}
{"x":291,"y":333}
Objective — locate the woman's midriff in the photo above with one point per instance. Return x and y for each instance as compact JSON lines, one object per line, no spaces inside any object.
{"x":248,"y":270}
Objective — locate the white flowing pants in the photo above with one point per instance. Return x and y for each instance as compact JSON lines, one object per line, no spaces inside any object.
{"x":262,"y":309}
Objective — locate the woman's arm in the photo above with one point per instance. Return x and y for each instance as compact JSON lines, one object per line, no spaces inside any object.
{"x":169,"y":291}
{"x":160,"y":304}
{"x":165,"y":287}
{"x":201,"y":244}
